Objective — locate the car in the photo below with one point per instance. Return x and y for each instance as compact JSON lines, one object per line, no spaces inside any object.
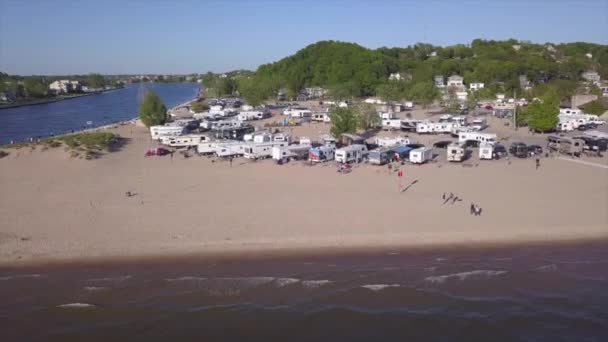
{"x":471,"y":143}
{"x":499,"y":151}
{"x":535,"y":150}
{"x":488,"y":107}
{"x":442,"y":144}
{"x":519,"y":150}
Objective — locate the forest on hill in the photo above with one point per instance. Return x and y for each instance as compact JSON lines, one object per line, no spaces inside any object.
{"x":350,"y":70}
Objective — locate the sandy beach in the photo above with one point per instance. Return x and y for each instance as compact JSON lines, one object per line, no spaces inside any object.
{"x":53,"y":207}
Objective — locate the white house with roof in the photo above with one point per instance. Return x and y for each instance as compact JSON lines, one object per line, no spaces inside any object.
{"x":455,"y":81}
{"x":65,"y":86}
{"x":438,"y":80}
{"x":395,"y":77}
{"x":476,"y":86}
{"x":591,"y":76}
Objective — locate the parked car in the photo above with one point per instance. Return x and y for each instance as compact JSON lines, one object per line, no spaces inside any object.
{"x":499,"y":151}
{"x":535,"y":150}
{"x":414,"y":146}
{"x":471,"y":143}
{"x":158,"y":151}
{"x":488,"y":107}
{"x":519,"y":150}
{"x":442,"y":144}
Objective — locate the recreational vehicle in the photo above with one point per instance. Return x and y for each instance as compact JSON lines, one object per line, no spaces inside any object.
{"x":489,"y":138}
{"x":565,"y":126}
{"x":486,"y":151}
{"x":455,"y":152}
{"x":252,"y":115}
{"x":234,"y":133}
{"x":157,"y":132}
{"x":321,"y":117}
{"x":224,"y":124}
{"x":387,"y":115}
{"x":380,"y":156}
{"x":421,"y":155}
{"x":185,"y":140}
{"x":206,"y":148}
{"x":353,"y":153}
{"x":391,"y":141}
{"x":435,"y":127}
{"x":298,"y":112}
{"x":280,"y":137}
{"x":260,"y":151}
{"x":571,"y":146}
{"x":291,"y":151}
{"x":230,"y":149}
{"x":187,"y":123}
{"x":321,"y":153}
{"x":390,"y":124}
{"x":401,"y":152}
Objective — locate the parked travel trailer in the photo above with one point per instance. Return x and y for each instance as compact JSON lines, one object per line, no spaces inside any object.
{"x":380,"y":156}
{"x":486,"y":151}
{"x":455,"y":152}
{"x":157,"y":132}
{"x":387,"y":116}
{"x":421,"y":155}
{"x":321,"y":117}
{"x":353,"y":153}
{"x":390,"y":124}
{"x":435,"y":127}
{"x":234,"y":133}
{"x":565,"y":126}
{"x":187,"y":123}
{"x":224,"y":124}
{"x":571,"y":146}
{"x":280,"y":137}
{"x":207,"y":147}
{"x":260,"y":151}
{"x":408,"y":104}
{"x":490,"y":138}
{"x":185,"y":140}
{"x":402,"y":151}
{"x":322,"y":153}
{"x":252,"y":115}
{"x":230,"y":149}
{"x":391,"y":141}
{"x":291,"y":151}
{"x":569,"y":111}
{"x":298,"y":112}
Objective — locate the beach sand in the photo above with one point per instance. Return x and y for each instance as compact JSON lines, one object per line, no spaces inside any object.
{"x":53,"y":207}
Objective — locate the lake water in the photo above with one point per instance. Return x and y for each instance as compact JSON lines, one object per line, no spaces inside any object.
{"x":60,"y":117}
{"x":526,"y":293}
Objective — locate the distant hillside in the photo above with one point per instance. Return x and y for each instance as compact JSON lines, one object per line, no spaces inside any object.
{"x":353,"y":70}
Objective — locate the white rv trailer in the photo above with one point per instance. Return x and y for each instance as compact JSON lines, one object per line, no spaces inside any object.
{"x":297,"y":112}
{"x":224,"y":124}
{"x":391,"y":124}
{"x":281,"y":137}
{"x":207,"y":148}
{"x":421,"y":155}
{"x":253,"y":115}
{"x":292,"y":151}
{"x":408,"y":104}
{"x":322,"y":153}
{"x":486,"y":151}
{"x":455,"y":152}
{"x":489,"y":138}
{"x":351,"y":153}
{"x":260,"y":151}
{"x":569,"y":111}
{"x":392,"y":141}
{"x":321,"y":117}
{"x":188,"y":140}
{"x":566,"y":126}
{"x":157,"y":132}
{"x":435,"y":127}
{"x":258,"y":137}
{"x":187,"y":123}
{"x":387,"y":115}
{"x":230,"y":149}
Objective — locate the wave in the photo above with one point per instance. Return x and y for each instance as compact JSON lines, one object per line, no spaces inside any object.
{"x":282,"y":282}
{"x":379,"y":287}
{"x":464,"y":275}
{"x":547,"y":268}
{"x":251,"y":281}
{"x":186,"y":278}
{"x":21,"y":276}
{"x":95,"y":288}
{"x":117,"y":279}
{"x":315,"y":283}
{"x":77,"y":305}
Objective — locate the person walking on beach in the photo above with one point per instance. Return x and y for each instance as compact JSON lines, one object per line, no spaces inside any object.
{"x":537,"y":163}
{"x":230,"y":161}
{"x":171,"y":157}
{"x":472,"y":209}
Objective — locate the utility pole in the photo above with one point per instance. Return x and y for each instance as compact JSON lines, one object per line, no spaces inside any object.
{"x":514,"y":111}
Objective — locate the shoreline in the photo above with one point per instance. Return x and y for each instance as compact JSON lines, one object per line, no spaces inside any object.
{"x":46,"y":101}
{"x":289,"y":252}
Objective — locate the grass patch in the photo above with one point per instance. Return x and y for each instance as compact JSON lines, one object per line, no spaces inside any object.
{"x":92,"y":141}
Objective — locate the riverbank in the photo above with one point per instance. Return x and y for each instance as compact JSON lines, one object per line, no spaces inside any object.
{"x":61,"y":208}
{"x":52,"y":100}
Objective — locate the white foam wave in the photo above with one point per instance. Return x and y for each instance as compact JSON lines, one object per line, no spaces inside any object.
{"x":464,"y":275}
{"x":76,"y":305}
{"x":441,"y":259}
{"x":547,"y":268}
{"x":186,"y":278}
{"x":116,"y":279}
{"x":95,"y":288}
{"x":315,"y":283}
{"x":378,"y":287}
{"x":282,"y":282}
{"x":20,"y":276}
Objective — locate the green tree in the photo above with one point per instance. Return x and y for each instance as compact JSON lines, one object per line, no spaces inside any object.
{"x":152,"y":111}
{"x":424,"y":93}
{"x":35,"y":87}
{"x":542,"y":115}
{"x":343,"y":120}
{"x":96,"y":81}
{"x":368,"y":116}
{"x":595,"y":107}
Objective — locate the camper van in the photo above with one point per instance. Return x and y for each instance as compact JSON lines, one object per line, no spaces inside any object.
{"x":260,"y":151}
{"x":390,"y":124}
{"x":455,"y":152}
{"x":207,"y":148}
{"x":291,"y":151}
{"x":386,"y":115}
{"x":321,"y":153}
{"x":489,"y":138}
{"x":158,"y":132}
{"x":486,"y":151}
{"x":185,"y":140}
{"x":391,"y":141}
{"x":353,"y":153}
{"x":435,"y":127}
{"x":421,"y":155}
{"x":230,"y":149}
{"x":380,"y":156}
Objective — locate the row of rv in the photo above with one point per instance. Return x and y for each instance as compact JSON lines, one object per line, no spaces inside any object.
{"x":571,"y":119}
{"x":446,"y":125}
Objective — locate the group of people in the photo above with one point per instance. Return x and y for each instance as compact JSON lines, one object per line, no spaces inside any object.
{"x":450,"y":197}
{"x":475,"y":210}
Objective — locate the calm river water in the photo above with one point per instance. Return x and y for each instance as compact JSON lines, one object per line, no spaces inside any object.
{"x":21,"y":123}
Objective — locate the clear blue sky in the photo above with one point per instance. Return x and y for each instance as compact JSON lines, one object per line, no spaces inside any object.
{"x":183,"y":36}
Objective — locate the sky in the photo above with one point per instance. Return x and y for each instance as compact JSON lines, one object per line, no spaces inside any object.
{"x":62,"y":37}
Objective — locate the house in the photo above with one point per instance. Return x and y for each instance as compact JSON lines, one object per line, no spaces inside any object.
{"x":455,"y":81}
{"x":395,"y":77}
{"x":500,"y":97}
{"x":476,"y":86}
{"x":591,"y":76}
{"x":7,"y":96}
{"x":438,"y":79}
{"x":315,"y":92}
{"x":462,"y":95}
{"x":604,"y":89}
{"x":65,"y":86}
